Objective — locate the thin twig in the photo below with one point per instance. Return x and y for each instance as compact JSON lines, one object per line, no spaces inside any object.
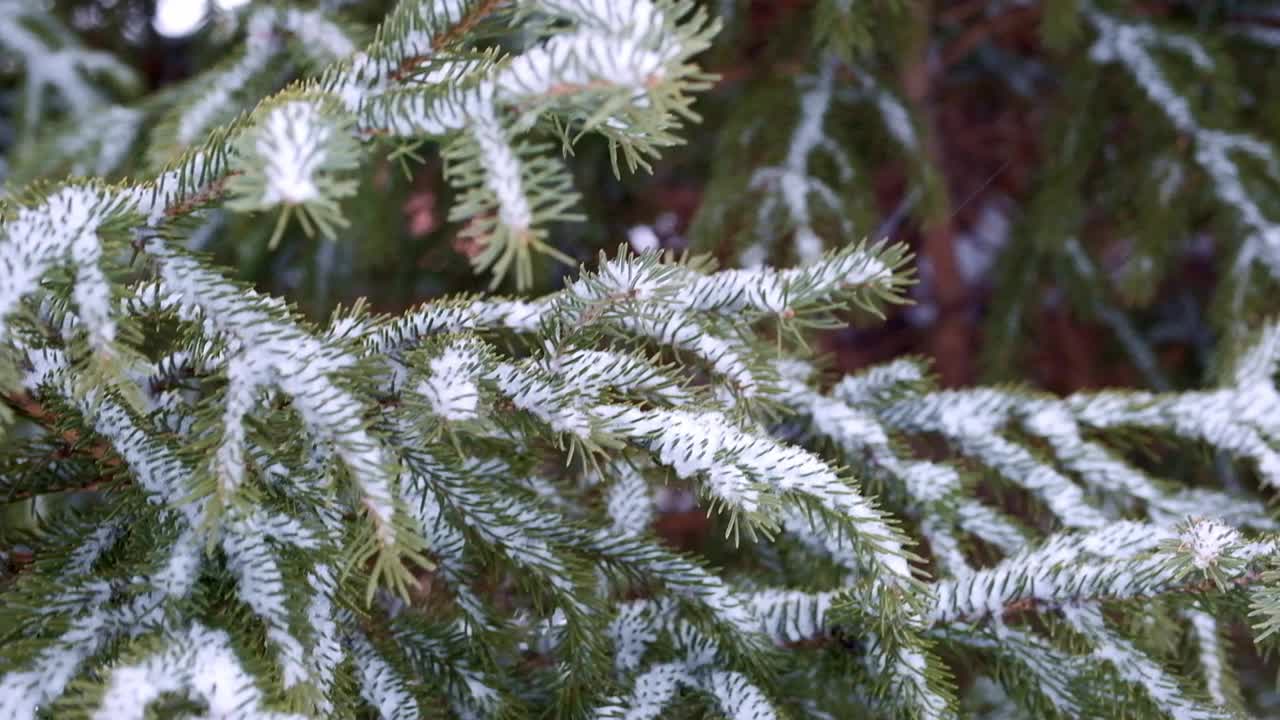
{"x":464,"y":26}
{"x":33,"y":410}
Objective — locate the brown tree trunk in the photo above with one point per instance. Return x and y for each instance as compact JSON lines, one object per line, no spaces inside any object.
{"x":951,"y":340}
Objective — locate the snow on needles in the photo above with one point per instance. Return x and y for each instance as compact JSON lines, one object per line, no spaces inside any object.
{"x":739,"y":466}
{"x":1166,"y":691}
{"x":792,"y":181}
{"x":199,"y":662}
{"x":292,"y":142}
{"x":62,"y":229}
{"x":451,"y":387}
{"x":503,"y":175}
{"x":1131,"y":45}
{"x":49,"y":61}
{"x":1207,"y":540}
{"x":274,"y":351}
{"x":265,"y":32}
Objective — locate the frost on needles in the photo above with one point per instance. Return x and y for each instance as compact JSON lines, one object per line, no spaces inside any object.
{"x":451,"y":509}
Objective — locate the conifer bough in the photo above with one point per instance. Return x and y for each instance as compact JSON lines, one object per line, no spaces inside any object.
{"x":451,"y":508}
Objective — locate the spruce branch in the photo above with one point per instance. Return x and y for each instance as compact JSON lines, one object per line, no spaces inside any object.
{"x":464,"y":508}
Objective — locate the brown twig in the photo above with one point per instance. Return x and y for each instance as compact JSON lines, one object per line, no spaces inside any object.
{"x":201,"y":196}
{"x":448,"y":37}
{"x":473,"y":18}
{"x":33,"y":410}
{"x":36,"y":412}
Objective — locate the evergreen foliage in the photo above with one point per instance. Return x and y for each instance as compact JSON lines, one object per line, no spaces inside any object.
{"x":241,"y":509}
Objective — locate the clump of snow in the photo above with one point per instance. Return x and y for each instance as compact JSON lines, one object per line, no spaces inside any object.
{"x":1207,"y":540}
